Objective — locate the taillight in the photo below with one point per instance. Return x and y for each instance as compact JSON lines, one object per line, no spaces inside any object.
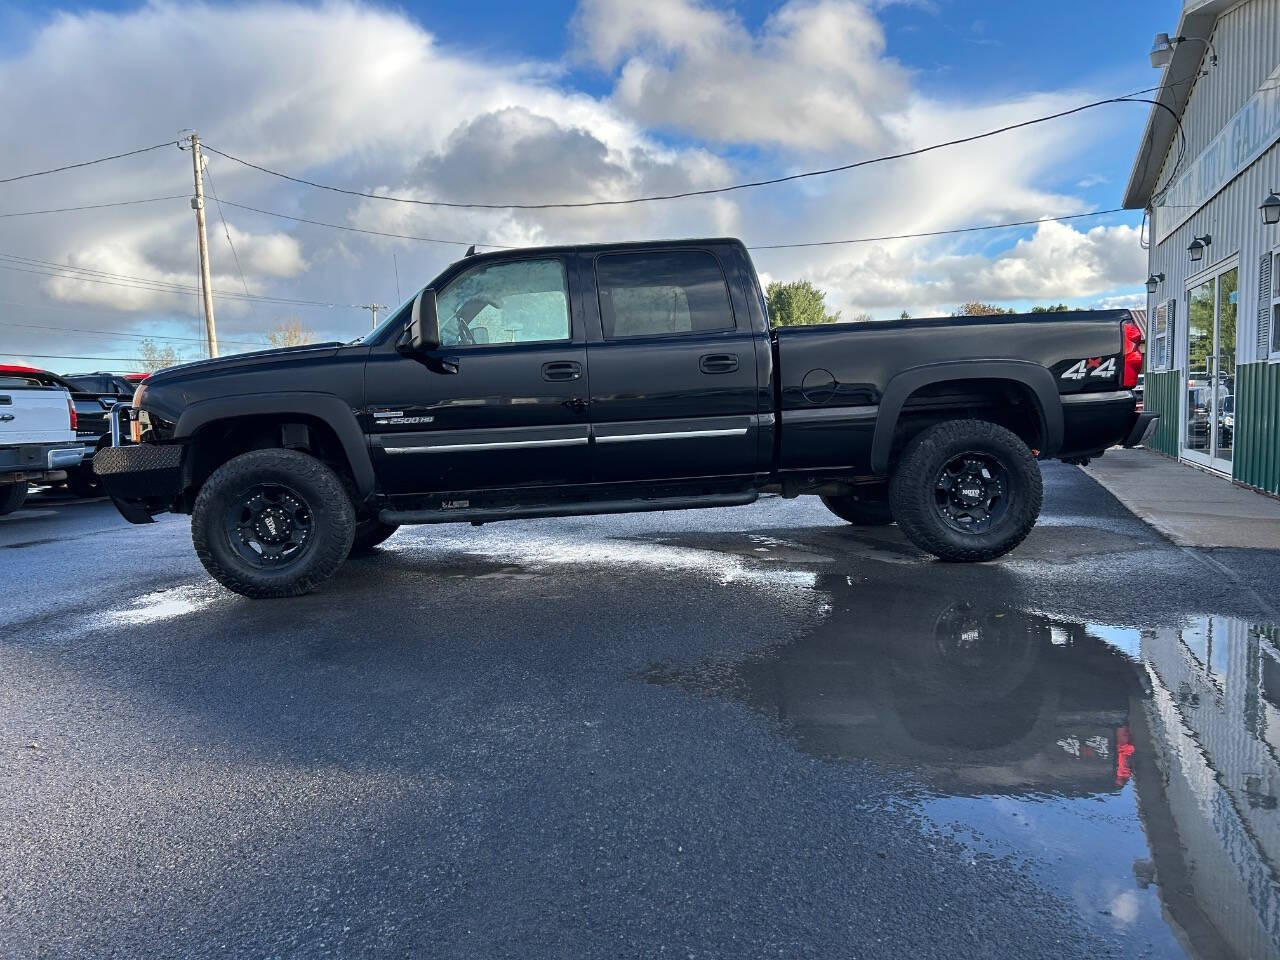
{"x":1132,"y":355}
{"x":75,"y":419}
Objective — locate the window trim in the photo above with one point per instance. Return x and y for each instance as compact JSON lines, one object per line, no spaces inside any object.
{"x":568,"y":304}
{"x":1273,"y":352}
{"x":661,"y":337}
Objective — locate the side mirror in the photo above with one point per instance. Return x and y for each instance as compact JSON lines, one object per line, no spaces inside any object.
{"x":424,"y":324}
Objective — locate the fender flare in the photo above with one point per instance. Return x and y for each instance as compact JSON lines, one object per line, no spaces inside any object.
{"x":1031,"y":375}
{"x":323,"y":406}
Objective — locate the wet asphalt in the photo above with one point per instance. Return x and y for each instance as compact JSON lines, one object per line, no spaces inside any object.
{"x":750,"y":732}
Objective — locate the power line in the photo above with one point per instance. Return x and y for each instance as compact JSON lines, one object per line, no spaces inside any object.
{"x":227,"y":233}
{"x":89,"y":163}
{"x":68,"y":356}
{"x":709,"y":191}
{"x":50,"y":268}
{"x":938,"y":233}
{"x":762,"y":246}
{"x":375,"y":233}
{"x":91,"y":206}
{"x":118,"y":333}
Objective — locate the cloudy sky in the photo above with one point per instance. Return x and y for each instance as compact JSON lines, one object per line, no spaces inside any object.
{"x":511,"y":101}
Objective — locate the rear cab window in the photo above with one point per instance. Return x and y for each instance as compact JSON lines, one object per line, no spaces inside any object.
{"x":662,"y":293}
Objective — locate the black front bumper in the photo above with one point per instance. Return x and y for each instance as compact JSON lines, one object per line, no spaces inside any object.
{"x":142,"y":479}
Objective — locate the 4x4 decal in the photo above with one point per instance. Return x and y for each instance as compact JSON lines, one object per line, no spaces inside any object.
{"x":1093,"y":367}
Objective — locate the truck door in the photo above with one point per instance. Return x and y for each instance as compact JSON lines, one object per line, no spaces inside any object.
{"x":503,"y":403}
{"x":673,"y":374}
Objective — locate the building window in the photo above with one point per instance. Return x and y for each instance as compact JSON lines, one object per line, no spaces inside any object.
{"x":1161,"y":337}
{"x":1275,"y":305}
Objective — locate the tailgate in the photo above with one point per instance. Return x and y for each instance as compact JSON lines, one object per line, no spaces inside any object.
{"x":34,"y":415}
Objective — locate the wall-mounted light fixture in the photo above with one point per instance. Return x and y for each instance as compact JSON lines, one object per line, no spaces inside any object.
{"x":1163,"y":45}
{"x":1196,"y":249}
{"x":1154,"y":281}
{"x":1271,"y":209}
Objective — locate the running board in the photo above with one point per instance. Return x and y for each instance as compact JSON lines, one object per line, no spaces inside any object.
{"x":479,"y":515}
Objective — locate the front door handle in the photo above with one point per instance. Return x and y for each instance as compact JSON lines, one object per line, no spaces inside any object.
{"x":6,"y":417}
{"x":718,"y":363}
{"x":560,"y":370}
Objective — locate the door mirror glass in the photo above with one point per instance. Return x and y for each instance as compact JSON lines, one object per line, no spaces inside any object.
{"x":424,"y":326}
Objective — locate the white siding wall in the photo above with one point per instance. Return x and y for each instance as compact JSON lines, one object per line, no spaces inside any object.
{"x":1247,"y":38}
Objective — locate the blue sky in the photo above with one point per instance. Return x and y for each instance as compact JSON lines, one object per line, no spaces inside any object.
{"x":563,"y":99}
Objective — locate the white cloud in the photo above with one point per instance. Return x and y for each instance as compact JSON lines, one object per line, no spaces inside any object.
{"x":1057,"y":262}
{"x":815,"y":76}
{"x":363,"y":96}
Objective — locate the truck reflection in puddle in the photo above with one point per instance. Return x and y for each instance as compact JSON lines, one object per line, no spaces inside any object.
{"x":1133,"y":772}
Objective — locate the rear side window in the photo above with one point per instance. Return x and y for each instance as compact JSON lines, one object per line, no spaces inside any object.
{"x":662,"y":293}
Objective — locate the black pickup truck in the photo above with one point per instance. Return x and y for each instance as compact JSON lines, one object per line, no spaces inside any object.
{"x":614,"y":378}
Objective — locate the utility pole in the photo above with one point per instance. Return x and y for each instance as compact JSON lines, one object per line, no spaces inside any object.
{"x":202,"y":244}
{"x":373,"y":308}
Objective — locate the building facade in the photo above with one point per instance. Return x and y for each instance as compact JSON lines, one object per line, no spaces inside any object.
{"x":1209,"y":158}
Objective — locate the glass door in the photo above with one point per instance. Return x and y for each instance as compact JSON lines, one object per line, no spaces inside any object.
{"x":1208,"y":429}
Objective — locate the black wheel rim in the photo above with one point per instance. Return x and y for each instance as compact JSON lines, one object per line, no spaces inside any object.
{"x":971,"y":492}
{"x":270,"y":526}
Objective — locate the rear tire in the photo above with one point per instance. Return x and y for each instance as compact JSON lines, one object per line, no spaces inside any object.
{"x":370,"y":533}
{"x":861,"y":513}
{"x":13,"y":496}
{"x":966,"y":490}
{"x":272,"y":523}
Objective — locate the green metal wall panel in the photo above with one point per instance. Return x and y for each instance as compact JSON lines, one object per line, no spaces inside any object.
{"x":1161,"y":396}
{"x":1257,"y":444}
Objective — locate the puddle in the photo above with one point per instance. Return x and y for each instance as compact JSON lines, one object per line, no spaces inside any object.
{"x":163,"y":605}
{"x":1132,"y":772}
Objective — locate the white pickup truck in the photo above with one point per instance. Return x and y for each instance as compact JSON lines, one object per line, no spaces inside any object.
{"x":37,"y":435}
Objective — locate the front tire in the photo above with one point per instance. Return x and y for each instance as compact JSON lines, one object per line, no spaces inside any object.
{"x":272,"y":523}
{"x":966,"y":490}
{"x":13,"y":496}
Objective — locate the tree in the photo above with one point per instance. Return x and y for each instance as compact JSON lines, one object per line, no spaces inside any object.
{"x":156,"y":358}
{"x":1057,"y":308}
{"x":975,"y":308}
{"x":904,"y":315}
{"x":290,"y":333}
{"x":796,"y":303}
{"x":862,"y":317}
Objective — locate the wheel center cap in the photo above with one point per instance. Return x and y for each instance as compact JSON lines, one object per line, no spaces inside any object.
{"x":273,"y":525}
{"x":971,"y":490}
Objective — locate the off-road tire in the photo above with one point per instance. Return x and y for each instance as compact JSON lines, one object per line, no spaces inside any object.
{"x":331,"y":510}
{"x":369,"y":533}
{"x":912,"y":490}
{"x":861,"y":513}
{"x":13,"y":496}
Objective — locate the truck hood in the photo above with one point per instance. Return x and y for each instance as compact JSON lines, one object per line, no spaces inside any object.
{"x":235,"y":361}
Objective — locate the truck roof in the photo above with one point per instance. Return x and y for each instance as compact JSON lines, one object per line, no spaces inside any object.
{"x":607,"y":247}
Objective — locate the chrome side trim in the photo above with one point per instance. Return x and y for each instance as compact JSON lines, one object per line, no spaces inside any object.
{"x":860,"y":412}
{"x":1102,"y":397}
{"x":673,"y":435}
{"x":494,"y":445}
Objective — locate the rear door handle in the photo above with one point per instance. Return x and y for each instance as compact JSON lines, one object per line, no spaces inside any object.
{"x":6,"y":417}
{"x":560,"y":370}
{"x":718,"y":363}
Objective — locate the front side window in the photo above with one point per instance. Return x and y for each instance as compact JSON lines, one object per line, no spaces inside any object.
{"x":662,"y":293}
{"x":524,"y":301}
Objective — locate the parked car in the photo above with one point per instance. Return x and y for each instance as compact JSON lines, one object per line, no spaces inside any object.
{"x":614,"y":378}
{"x":37,"y":434}
{"x":114,"y":384}
{"x":92,"y":406}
